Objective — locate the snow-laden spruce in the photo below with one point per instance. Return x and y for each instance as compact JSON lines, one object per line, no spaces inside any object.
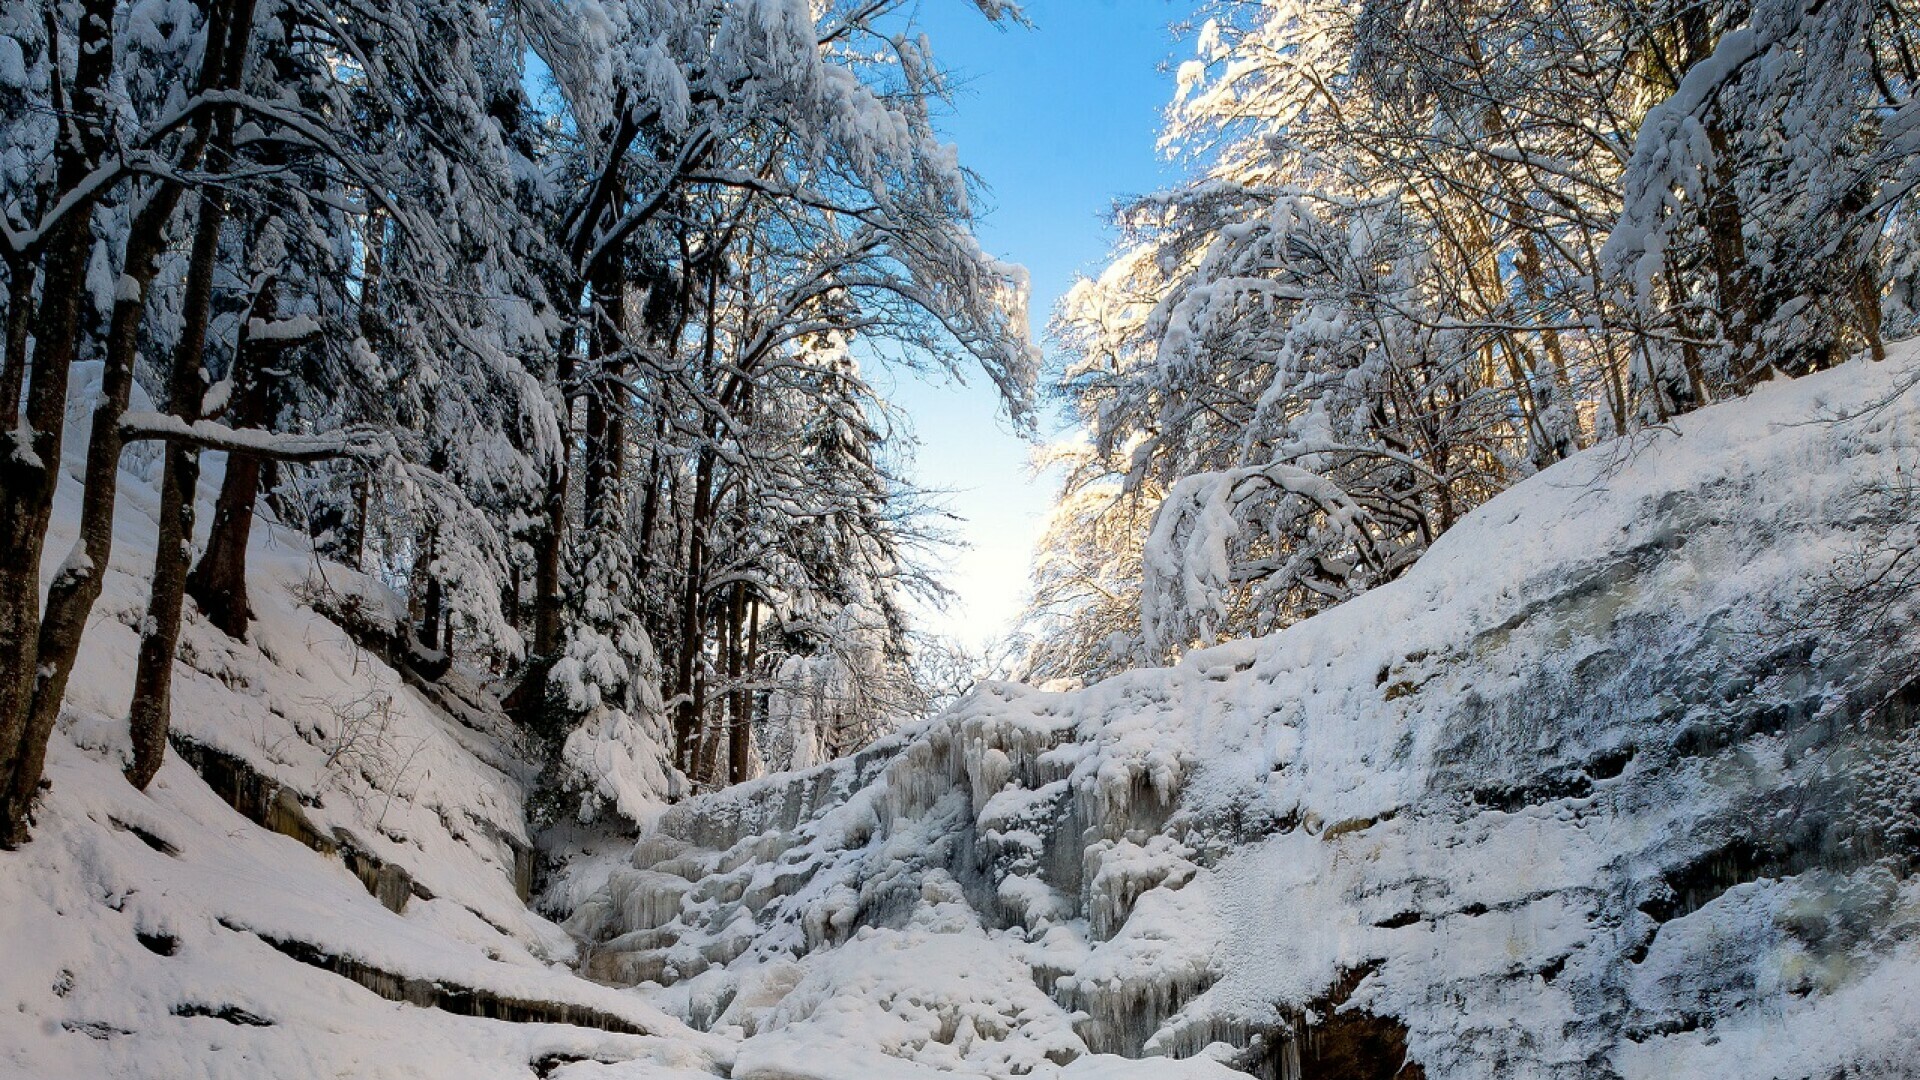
{"x":1619,"y":781}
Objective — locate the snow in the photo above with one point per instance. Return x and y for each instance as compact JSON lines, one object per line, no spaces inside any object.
{"x":146,"y":425}
{"x":422,"y":782}
{"x":1580,"y":794}
{"x":166,"y":934}
{"x":282,"y":330}
{"x":13,"y":63}
{"x":1589,"y":791}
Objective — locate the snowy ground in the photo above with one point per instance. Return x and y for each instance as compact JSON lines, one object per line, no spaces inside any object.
{"x":1593,"y":792}
{"x":138,"y":926}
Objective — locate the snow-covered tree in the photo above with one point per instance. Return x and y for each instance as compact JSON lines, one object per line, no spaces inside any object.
{"x":498,"y":298}
{"x":1426,"y":250}
{"x":1766,"y":197}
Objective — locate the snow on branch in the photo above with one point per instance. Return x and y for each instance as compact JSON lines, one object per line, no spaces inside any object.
{"x":1189,"y":567}
{"x":356,"y":442}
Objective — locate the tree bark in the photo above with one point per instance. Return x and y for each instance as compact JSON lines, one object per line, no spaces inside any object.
{"x":76,"y":588}
{"x":219,"y":583}
{"x":737,"y":728}
{"x":362,"y":511}
{"x":373,"y":242}
{"x":686,"y":728}
{"x":605,"y":419}
{"x":31,"y":474}
{"x":21,"y":275}
{"x":30,"y":469}
{"x":151,"y":714}
{"x":528,"y":701}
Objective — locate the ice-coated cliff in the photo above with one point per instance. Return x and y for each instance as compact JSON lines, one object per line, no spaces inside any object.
{"x":1622,"y":780}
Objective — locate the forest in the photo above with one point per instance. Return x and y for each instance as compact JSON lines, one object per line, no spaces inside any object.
{"x":555,"y":337}
{"x":554,"y":320}
{"x":543,"y":317}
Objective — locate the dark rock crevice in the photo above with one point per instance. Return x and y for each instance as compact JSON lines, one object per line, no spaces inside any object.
{"x":232,"y":1014}
{"x":448,"y":997}
{"x":1330,"y":1039}
{"x":147,"y":837}
{"x":275,"y":806}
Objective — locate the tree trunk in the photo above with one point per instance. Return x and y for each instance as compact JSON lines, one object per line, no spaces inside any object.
{"x":510,"y":595}
{"x":737,"y":729}
{"x":528,"y":702}
{"x":151,"y":715}
{"x":686,"y":726}
{"x":362,"y":525}
{"x":605,"y":427}
{"x":649,"y":512}
{"x":1866,"y":289}
{"x":21,"y":274}
{"x":76,"y":588}
{"x":373,"y":243}
{"x":1725,"y":222}
{"x":372,"y":267}
{"x":31,"y":469}
{"x":219,"y":583}
{"x":433,"y":606}
{"x":753,"y":662}
{"x":31,"y":473}
{"x":658,"y":315}
{"x":1727,"y":247}
{"x":711,"y":735}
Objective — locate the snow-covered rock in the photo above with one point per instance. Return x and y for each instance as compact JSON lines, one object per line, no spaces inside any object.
{"x":1622,"y":780}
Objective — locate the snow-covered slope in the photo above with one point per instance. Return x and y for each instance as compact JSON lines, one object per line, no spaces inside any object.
{"x":327,"y":878}
{"x":238,"y":919}
{"x":1623,"y":779}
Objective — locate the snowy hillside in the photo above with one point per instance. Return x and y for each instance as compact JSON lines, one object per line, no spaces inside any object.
{"x":466,"y":553}
{"x":329,"y":875}
{"x":1622,"y":780}
{"x":318,"y":816}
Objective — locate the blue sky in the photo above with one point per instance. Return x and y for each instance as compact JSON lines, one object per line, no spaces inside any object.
{"x":1059,"y":121}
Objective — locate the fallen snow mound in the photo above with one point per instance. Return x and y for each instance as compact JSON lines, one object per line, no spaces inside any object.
{"x":1622,"y":780}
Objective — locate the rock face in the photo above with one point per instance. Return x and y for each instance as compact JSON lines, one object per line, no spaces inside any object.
{"x":1623,"y":780}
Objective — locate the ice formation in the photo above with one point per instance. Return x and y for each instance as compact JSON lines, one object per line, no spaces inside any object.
{"x":1620,"y":781}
